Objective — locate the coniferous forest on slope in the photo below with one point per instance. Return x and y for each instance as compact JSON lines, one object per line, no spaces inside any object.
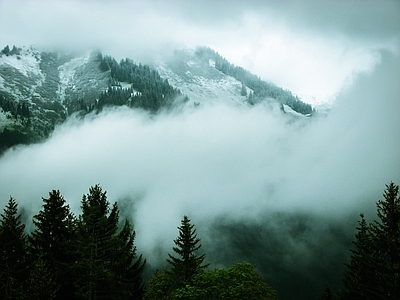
{"x":94,"y":256}
{"x":143,"y":89}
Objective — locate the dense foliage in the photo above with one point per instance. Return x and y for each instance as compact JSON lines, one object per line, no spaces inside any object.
{"x":13,"y":265}
{"x":374,"y":268}
{"x":188,"y":278}
{"x":147,"y":89}
{"x":93,"y":256}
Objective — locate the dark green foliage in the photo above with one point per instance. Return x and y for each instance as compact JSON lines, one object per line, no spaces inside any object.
{"x":261,"y":88}
{"x":328,"y":294}
{"x":373,"y":272}
{"x":17,"y":110}
{"x":10,"y":138}
{"x":188,"y":262}
{"x":359,"y":278}
{"x":188,"y":279}
{"x":41,"y":284}
{"x":108,"y":267}
{"x":148,"y":90}
{"x":386,"y":242}
{"x":14,"y":51}
{"x":239,"y":282}
{"x":52,"y":241}
{"x":12,"y":253}
{"x":243,"y":90}
{"x":6,"y":50}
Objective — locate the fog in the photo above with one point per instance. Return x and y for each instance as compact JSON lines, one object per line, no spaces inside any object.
{"x":311,"y":48}
{"x":259,"y":186}
{"x":243,"y":175}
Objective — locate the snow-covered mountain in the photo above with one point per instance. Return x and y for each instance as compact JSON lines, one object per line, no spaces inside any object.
{"x":198,"y":78}
{"x":39,"y":90}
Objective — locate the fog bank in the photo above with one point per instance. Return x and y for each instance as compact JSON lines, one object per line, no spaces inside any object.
{"x":228,"y":168}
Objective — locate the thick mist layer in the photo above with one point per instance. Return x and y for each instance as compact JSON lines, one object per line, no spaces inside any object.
{"x":310,"y":48}
{"x":225,"y":167}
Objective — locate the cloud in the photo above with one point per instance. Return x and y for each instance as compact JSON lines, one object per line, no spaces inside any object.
{"x":280,"y":194}
{"x":310,"y":48}
{"x":228,"y":166}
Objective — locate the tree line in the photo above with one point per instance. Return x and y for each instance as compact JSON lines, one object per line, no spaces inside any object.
{"x":147,"y":89}
{"x":261,"y":89}
{"x":94,"y":256}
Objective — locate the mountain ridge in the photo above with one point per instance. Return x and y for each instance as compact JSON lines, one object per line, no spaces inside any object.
{"x":39,"y":90}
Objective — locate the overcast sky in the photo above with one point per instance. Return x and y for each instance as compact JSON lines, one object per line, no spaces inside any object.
{"x":312,"y":48}
{"x":219,"y":162}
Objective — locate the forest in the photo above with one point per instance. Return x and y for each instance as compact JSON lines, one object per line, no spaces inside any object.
{"x":261,"y":89}
{"x":94,"y":256}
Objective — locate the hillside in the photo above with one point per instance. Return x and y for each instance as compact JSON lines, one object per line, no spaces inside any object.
{"x":39,"y":90}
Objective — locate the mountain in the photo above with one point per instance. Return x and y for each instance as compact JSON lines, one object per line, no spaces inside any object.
{"x":39,"y":90}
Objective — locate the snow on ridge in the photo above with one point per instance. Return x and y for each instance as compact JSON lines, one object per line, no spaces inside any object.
{"x":27,"y":63}
{"x":67,"y":73}
{"x":202,"y":89}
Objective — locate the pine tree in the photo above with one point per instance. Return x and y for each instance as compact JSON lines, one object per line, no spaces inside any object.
{"x":187,"y":243}
{"x":41,"y":283}
{"x":373,"y":272}
{"x":243,"y":90}
{"x":127,"y":267}
{"x":12,"y":252}
{"x":386,"y":233}
{"x":360,"y":275}
{"x":53,"y":241}
{"x":108,"y":266}
{"x":328,"y":294}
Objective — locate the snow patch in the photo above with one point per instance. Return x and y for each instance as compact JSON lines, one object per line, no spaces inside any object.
{"x":67,"y":73}
{"x":125,"y":85}
{"x":289,"y":110}
{"x":27,"y":63}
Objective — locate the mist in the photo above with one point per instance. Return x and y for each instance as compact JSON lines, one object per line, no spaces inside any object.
{"x":311,"y":48}
{"x":261,"y":187}
{"x":258,"y":186}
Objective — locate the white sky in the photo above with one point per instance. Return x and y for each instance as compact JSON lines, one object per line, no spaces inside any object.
{"x":312,"y":48}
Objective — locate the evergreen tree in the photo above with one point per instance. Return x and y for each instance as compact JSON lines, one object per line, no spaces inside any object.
{"x":386,"y":242}
{"x":328,"y":294}
{"x":6,"y":50}
{"x":108,"y":266}
{"x":187,"y":243}
{"x":360,"y":275}
{"x":53,"y":241}
{"x":373,"y":272}
{"x":41,"y":283}
{"x":12,"y":252}
{"x":243,"y":90}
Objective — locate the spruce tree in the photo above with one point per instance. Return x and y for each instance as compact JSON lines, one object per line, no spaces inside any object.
{"x":41,"y":283}
{"x":360,"y":276}
{"x":188,"y":262}
{"x":386,"y":236}
{"x":12,"y":252}
{"x":373,"y":272}
{"x":53,"y":241}
{"x":108,"y":266}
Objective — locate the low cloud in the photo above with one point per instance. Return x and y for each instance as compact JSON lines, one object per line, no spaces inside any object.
{"x":228,"y":168}
{"x":309,"y":48}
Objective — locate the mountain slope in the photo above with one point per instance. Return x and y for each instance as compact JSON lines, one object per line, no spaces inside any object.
{"x":39,"y":90}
